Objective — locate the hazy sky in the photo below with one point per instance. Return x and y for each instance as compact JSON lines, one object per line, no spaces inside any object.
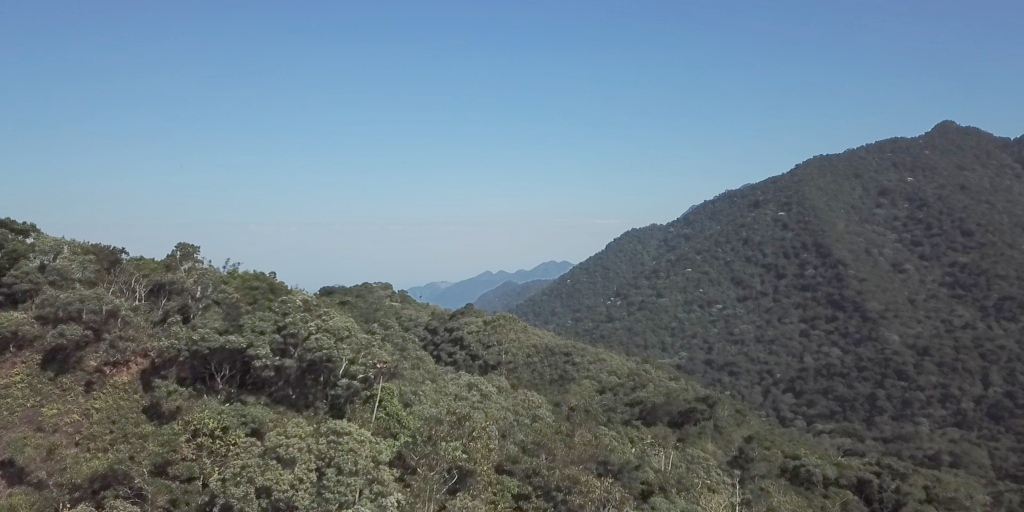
{"x":342,"y":142}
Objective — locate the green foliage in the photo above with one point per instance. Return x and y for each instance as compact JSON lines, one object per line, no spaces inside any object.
{"x":17,"y":331}
{"x":129,"y":384}
{"x":872,"y":298}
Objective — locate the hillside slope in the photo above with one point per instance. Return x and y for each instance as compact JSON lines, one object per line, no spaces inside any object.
{"x":131,"y":384}
{"x":878,"y":293}
{"x":509,"y":294}
{"x":456,"y":295}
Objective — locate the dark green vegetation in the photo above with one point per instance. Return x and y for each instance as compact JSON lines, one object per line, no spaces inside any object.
{"x":509,"y":294}
{"x":455,"y":295}
{"x":876,"y":296}
{"x":133,"y":384}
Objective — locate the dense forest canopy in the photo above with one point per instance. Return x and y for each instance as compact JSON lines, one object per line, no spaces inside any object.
{"x":876,"y":295}
{"x":134,"y":384}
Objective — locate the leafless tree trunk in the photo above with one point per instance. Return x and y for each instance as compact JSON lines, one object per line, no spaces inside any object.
{"x":375,"y":404}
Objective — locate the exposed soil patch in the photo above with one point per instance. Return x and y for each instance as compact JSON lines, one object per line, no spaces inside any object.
{"x":128,"y":370}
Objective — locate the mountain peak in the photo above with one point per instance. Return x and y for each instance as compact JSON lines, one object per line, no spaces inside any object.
{"x":945,"y":126}
{"x":947,"y":130}
{"x":827,"y":281}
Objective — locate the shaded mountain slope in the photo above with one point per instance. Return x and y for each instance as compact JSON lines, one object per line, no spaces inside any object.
{"x":422,"y":293}
{"x":878,"y":292}
{"x":508,"y":294}
{"x":456,"y":295}
{"x":132,"y":384}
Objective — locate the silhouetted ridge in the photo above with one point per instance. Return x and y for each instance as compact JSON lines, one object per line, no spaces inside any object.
{"x":456,"y":295}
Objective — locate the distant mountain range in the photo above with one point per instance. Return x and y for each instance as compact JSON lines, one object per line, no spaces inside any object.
{"x":874,"y":296}
{"x":455,"y":295}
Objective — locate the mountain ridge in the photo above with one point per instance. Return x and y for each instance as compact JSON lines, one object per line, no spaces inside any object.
{"x":131,"y":384}
{"x":458,"y":294}
{"x":860,"y":274}
{"x":508,"y":294}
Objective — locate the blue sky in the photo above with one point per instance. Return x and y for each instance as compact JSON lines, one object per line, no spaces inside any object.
{"x":342,"y":142}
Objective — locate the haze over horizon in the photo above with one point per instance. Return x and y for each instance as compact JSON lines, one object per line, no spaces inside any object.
{"x":407,"y":143}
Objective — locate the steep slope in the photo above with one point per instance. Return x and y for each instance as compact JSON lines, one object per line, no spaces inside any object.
{"x":509,"y":294}
{"x":130,"y":384}
{"x":456,"y":295}
{"x":877,"y":293}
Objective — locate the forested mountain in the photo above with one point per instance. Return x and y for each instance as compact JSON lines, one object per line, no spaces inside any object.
{"x":132,"y":384}
{"x":422,"y":293}
{"x":877,"y":294}
{"x":455,"y":295}
{"x":509,"y":294}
